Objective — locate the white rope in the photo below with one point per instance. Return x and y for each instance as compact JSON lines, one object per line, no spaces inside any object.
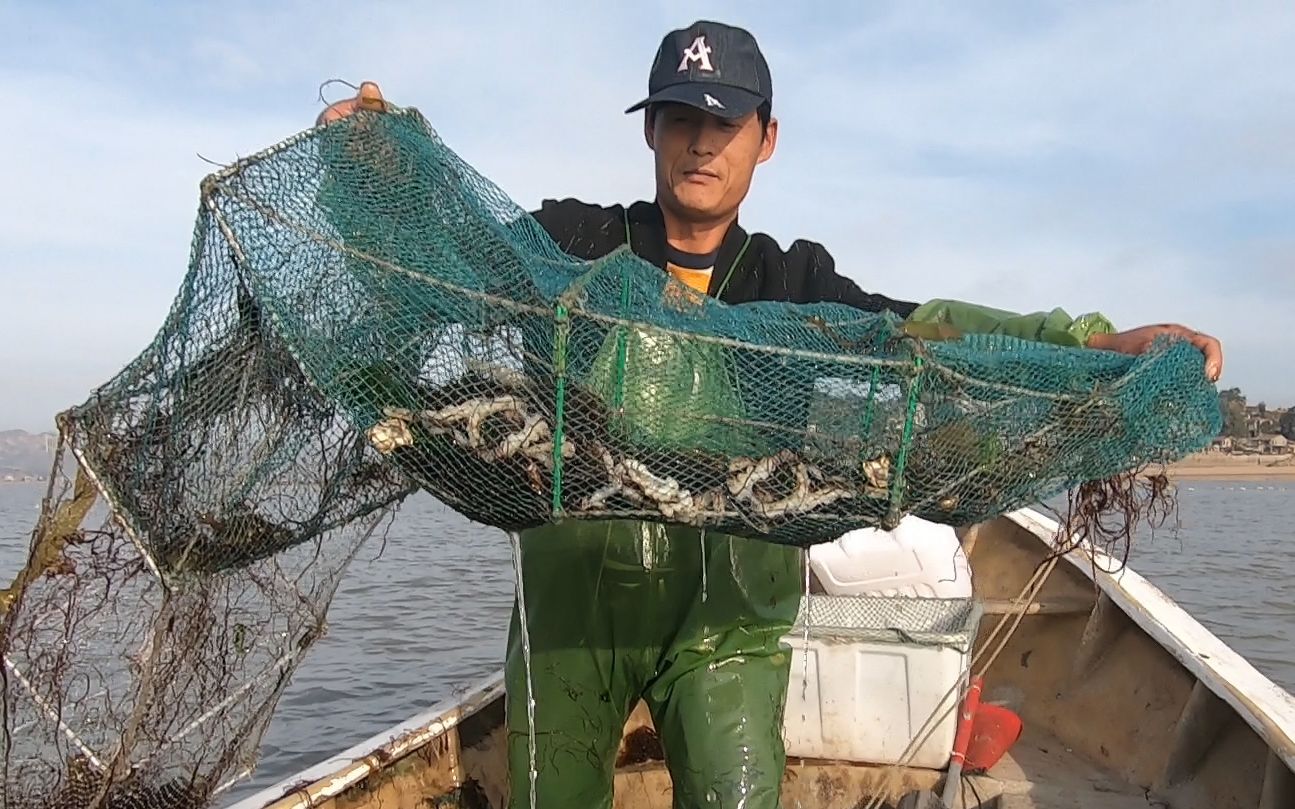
{"x":1022,"y":604}
{"x":526,"y":656}
{"x":52,"y":714}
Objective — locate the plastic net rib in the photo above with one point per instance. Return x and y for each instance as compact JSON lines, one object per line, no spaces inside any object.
{"x":365,"y":315}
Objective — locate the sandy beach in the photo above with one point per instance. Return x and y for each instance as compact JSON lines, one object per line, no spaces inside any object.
{"x":1220,"y":466}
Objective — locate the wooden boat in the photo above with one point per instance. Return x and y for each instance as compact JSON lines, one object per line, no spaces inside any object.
{"x":1127,"y":702}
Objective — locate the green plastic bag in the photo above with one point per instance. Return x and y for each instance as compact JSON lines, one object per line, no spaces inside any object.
{"x":1054,"y":327}
{"x":668,"y":393}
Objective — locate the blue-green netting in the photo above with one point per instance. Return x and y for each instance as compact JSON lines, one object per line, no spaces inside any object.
{"x":404,"y":293}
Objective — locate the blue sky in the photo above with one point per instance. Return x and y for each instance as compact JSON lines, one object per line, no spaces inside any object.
{"x":1135,"y":158}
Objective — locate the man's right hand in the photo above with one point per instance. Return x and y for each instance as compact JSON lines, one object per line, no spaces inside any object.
{"x":368,"y":98}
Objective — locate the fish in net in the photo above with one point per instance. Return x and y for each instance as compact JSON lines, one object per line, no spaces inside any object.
{"x":365,"y":315}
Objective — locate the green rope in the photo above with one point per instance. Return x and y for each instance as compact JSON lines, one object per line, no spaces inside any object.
{"x":562,"y":329}
{"x":901,"y":460}
{"x":869,"y":404}
{"x":618,"y":379}
{"x":618,"y":391}
{"x":866,"y":427}
{"x":729,"y":275}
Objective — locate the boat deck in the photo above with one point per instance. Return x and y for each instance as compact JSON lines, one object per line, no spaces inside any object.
{"x":1040,"y":773}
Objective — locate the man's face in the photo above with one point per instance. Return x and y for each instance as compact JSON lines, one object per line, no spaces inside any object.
{"x":704,"y":163}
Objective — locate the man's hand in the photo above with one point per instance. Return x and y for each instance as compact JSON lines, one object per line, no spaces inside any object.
{"x":1136,"y":341}
{"x":368,"y":98}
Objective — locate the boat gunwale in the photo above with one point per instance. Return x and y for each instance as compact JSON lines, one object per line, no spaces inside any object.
{"x":1264,"y":706}
{"x":332,"y":776}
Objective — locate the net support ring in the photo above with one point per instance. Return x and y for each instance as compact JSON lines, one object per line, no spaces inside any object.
{"x":561,"y":333}
{"x":895,"y":512}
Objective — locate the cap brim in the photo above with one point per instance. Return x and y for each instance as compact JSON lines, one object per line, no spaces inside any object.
{"x":717,"y":99}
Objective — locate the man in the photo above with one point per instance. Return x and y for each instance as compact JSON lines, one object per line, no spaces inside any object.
{"x":688,"y":621}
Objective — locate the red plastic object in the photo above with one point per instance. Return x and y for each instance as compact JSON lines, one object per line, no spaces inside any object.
{"x":994,"y":729}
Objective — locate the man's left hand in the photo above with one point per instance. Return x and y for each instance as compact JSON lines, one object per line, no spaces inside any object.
{"x":1136,"y":341}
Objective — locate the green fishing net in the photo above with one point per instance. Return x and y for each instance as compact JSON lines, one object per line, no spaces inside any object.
{"x":364,"y":315}
{"x":521,"y":385}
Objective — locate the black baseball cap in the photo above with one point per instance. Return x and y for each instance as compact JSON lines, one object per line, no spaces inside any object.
{"x":714,"y":67}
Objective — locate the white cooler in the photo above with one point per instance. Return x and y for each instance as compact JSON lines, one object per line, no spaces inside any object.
{"x":877,"y":666}
{"x":918,"y":558}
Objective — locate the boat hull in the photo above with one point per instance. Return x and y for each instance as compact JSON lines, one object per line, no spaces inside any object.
{"x":1125,"y":699}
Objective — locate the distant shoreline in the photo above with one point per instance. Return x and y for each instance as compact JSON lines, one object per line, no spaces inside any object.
{"x":1220,"y":466}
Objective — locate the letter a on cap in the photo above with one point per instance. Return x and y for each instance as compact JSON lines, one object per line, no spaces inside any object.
{"x":698,"y":52}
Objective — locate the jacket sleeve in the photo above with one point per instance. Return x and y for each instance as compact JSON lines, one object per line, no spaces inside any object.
{"x":1055,"y":326}
{"x":782,"y":393}
{"x":822,"y":284}
{"x":580,"y":229}
{"x":558,"y":219}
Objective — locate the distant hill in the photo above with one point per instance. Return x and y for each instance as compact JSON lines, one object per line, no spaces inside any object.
{"x":24,"y":454}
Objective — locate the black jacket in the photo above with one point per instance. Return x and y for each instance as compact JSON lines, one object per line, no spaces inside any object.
{"x":760,"y":271}
{"x":805,"y":273}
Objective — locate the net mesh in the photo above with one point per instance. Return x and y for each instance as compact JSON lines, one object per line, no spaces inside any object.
{"x":921,"y":621}
{"x":365,"y":315}
{"x":521,"y":385}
